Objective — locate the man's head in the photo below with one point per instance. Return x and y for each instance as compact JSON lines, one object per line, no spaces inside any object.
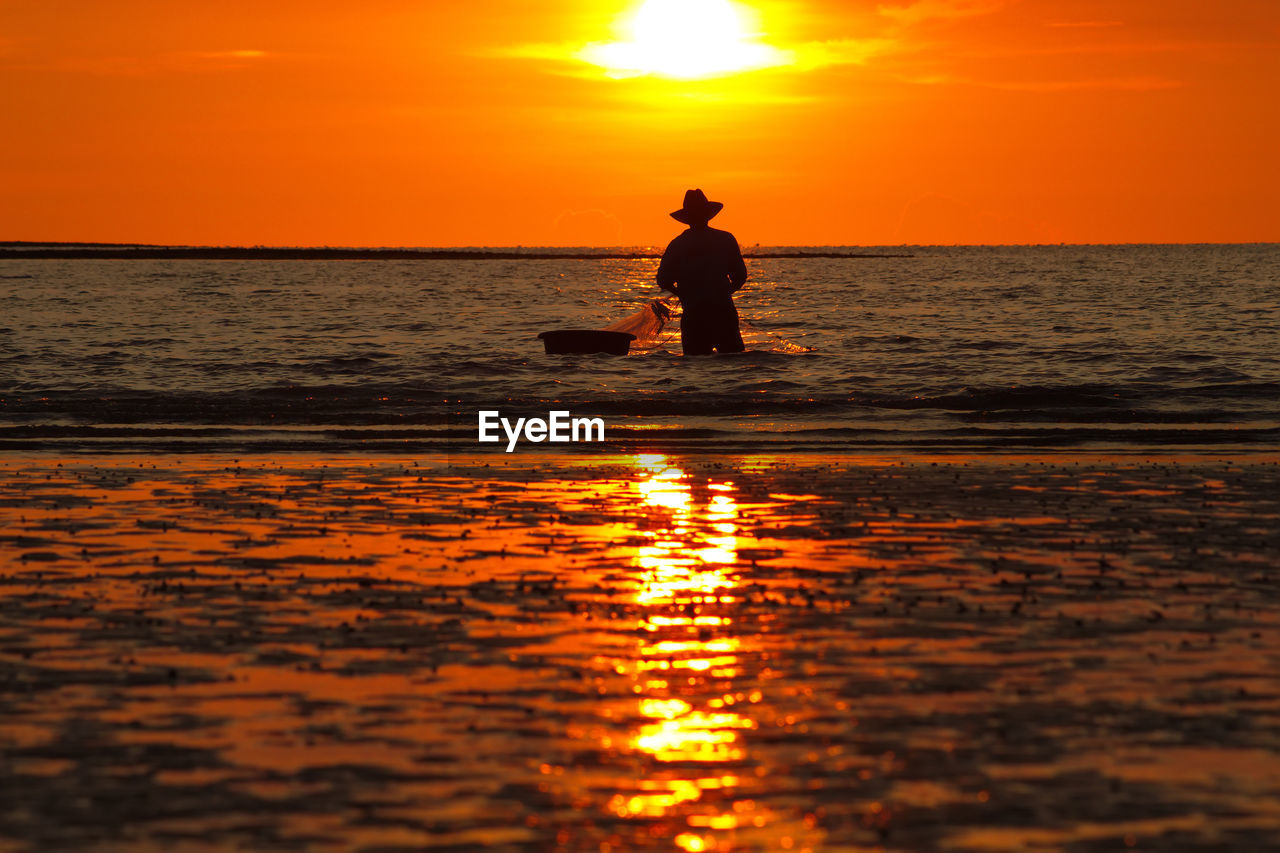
{"x":696,"y":210}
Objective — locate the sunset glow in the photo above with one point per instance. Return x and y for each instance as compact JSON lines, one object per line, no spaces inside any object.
{"x":580,"y":122}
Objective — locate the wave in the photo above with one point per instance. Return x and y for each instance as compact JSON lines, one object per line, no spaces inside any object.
{"x":750,"y":411}
{"x":447,"y":438}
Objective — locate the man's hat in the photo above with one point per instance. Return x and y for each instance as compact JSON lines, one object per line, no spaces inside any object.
{"x":696,"y":208}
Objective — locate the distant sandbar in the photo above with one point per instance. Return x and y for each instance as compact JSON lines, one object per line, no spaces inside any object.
{"x":46,"y":251}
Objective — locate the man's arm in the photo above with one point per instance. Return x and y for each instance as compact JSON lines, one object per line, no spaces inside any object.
{"x":666,"y":277}
{"x":737,"y":268}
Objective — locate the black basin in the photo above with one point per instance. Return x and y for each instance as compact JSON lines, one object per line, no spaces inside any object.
{"x":564,"y":341}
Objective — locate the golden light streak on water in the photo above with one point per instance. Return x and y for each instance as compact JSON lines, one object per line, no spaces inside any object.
{"x":690,"y":724}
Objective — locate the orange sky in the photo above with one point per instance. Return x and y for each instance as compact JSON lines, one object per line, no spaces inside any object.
{"x":434,"y":123}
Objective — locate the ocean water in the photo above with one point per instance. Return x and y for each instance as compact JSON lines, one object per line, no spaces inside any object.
{"x":976,"y":347}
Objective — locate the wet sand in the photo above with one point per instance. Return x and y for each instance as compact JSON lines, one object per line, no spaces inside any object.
{"x":669,"y":653}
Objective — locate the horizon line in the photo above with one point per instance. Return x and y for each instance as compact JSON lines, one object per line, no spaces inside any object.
{"x":20,"y":245}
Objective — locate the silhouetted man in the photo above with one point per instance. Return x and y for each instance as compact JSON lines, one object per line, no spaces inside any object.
{"x":703,"y":266}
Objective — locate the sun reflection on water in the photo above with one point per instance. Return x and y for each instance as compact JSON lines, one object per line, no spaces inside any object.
{"x":691,"y":710}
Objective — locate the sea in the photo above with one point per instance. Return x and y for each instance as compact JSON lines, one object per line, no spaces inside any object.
{"x":1132,"y":347}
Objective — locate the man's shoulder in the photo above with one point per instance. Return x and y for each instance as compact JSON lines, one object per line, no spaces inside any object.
{"x":701,"y":239}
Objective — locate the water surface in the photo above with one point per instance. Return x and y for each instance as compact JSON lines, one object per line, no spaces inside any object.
{"x":979,"y":347}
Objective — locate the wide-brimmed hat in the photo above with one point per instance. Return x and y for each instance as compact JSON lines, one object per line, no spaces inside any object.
{"x":696,"y":208}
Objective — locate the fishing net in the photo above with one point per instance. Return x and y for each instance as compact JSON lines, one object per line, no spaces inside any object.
{"x":647,"y":325}
{"x":653,"y":320}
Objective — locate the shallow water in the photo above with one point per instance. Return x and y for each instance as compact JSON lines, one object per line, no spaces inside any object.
{"x":651,"y":652}
{"x":977,"y":347}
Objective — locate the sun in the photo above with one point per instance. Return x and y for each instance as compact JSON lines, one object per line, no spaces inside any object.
{"x":685,"y":40}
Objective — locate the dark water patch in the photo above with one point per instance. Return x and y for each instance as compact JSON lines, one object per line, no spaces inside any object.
{"x":461,"y":436}
{"x":1075,"y":356}
{"x":237,"y":368}
{"x":417,"y":401}
{"x":202,"y":292}
{"x":1242,"y":390}
{"x":136,"y":342}
{"x":1108,"y":416}
{"x":886,"y":339}
{"x":987,"y":345}
{"x":1085,"y":396}
{"x":1176,"y":375}
{"x":363,"y":364}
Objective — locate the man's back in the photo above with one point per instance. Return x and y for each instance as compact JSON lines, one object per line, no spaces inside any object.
{"x":704,"y":263}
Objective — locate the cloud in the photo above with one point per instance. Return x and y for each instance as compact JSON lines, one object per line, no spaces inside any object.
{"x":610,"y":60}
{"x":925,"y":10}
{"x":1120,"y":84}
{"x":160,"y":63}
{"x":824,"y":54}
{"x":563,"y":59}
{"x":228,"y":60}
{"x":231,"y":54}
{"x":1085,"y":25}
{"x":637,"y":59}
{"x":1120,"y":48}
